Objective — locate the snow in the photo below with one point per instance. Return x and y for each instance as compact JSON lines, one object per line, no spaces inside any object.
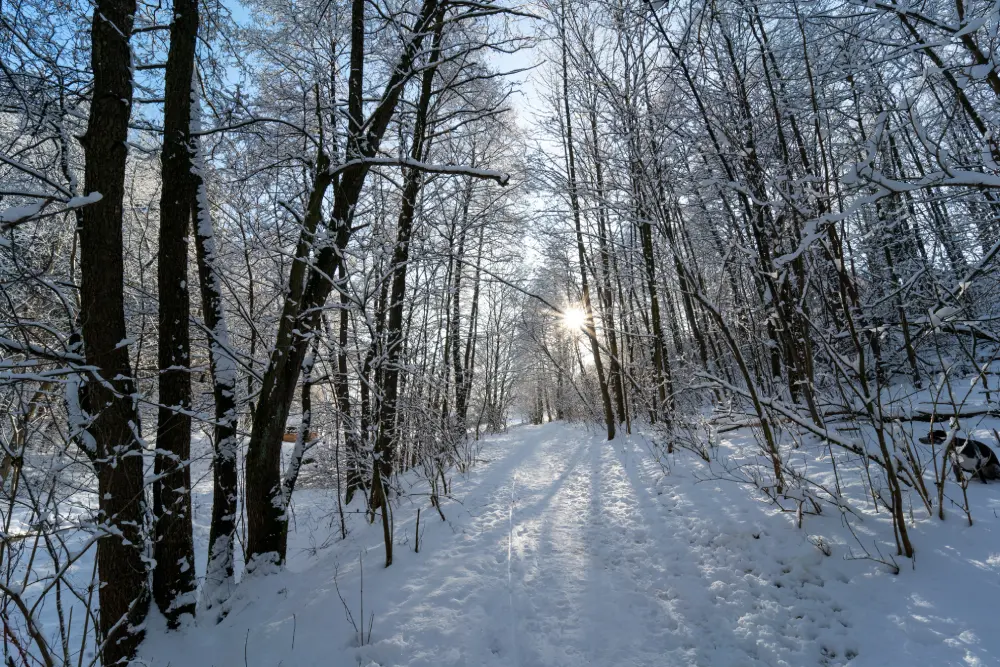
{"x":498,"y":176}
{"x":565,"y":550}
{"x":19,"y":213}
{"x":77,"y":202}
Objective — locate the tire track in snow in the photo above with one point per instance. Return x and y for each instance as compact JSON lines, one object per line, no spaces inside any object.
{"x":510,"y":587}
{"x":579,"y":592}
{"x":613,"y":574}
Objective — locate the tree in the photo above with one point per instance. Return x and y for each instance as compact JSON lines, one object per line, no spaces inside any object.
{"x":107,"y":397}
{"x":173,"y":577}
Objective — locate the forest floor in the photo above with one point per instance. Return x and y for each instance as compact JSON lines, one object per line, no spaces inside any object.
{"x":564,"y":550}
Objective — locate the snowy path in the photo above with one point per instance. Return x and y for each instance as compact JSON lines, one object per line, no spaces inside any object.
{"x":605,"y":573}
{"x":565,"y":550}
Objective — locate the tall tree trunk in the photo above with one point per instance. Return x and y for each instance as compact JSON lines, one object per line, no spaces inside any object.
{"x":470,"y":342}
{"x":386,"y":440}
{"x":173,"y":577}
{"x":608,"y":301}
{"x":661,"y":366}
{"x":371,"y":368}
{"x":219,"y":575}
{"x":304,"y":436}
{"x":455,"y":334}
{"x":113,"y":436}
{"x":591,"y":331}
{"x":341,"y":387}
{"x":447,"y":297}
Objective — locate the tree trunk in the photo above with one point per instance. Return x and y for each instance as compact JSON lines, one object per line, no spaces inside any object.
{"x":603,"y":221}
{"x":591,"y":331}
{"x":386,"y":441}
{"x":219,"y":579}
{"x":173,"y":577}
{"x":462,"y":407}
{"x":341,"y":387}
{"x":455,"y":335}
{"x":113,"y":436}
{"x":304,"y":439}
{"x":661,"y":367}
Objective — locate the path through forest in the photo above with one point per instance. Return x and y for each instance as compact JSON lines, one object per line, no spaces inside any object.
{"x":564,"y":550}
{"x":605,"y":570}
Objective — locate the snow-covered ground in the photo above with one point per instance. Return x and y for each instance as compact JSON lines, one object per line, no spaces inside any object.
{"x":565,"y":550}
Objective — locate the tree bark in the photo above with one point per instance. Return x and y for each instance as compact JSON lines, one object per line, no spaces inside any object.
{"x":173,"y":577}
{"x":462,"y":407}
{"x":219,"y":575}
{"x":606,"y":295}
{"x":113,"y":436}
{"x":387,"y":439}
{"x":341,"y":387}
{"x":456,"y":324}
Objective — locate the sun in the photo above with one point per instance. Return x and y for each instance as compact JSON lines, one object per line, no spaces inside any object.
{"x":574,"y":318}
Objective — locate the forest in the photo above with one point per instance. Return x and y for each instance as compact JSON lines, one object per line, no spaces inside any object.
{"x":278,"y":275}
